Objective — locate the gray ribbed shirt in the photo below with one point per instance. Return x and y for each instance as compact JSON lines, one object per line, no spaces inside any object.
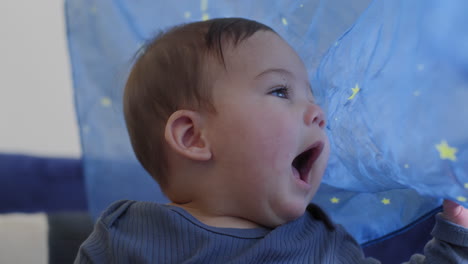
{"x":144,"y":232}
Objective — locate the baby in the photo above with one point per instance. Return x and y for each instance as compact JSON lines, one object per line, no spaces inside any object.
{"x":222,"y":115}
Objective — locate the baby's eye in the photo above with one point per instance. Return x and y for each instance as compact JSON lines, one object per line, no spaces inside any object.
{"x":282,"y":92}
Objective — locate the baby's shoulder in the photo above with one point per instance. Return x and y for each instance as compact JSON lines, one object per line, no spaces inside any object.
{"x":128,"y":210}
{"x":114,"y":212}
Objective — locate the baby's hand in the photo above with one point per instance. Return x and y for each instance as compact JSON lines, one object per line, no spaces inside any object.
{"x":455,"y":213}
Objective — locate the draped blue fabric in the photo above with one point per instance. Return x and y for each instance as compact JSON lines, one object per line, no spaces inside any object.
{"x":391,"y":76}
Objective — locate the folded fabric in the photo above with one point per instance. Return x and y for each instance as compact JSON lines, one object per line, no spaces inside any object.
{"x":395,"y":88}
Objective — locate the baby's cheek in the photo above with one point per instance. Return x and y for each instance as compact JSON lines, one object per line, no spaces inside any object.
{"x":279,"y":144}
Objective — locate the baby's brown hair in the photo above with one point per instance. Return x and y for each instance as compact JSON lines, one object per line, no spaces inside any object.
{"x":173,"y":72}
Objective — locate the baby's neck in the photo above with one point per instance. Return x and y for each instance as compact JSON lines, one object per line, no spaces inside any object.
{"x":216,"y":220}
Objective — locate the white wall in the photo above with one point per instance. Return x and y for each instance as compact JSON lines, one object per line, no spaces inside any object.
{"x":37,"y":114}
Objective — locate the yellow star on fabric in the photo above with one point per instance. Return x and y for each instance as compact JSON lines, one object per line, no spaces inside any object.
{"x":187,"y":14}
{"x":466,"y":185}
{"x":446,"y":152}
{"x":285,"y":22}
{"x":334,"y":200}
{"x":406,"y":166}
{"x":106,"y":101}
{"x":462,"y":199}
{"x":385,"y":201}
{"x":205,"y":17}
{"x":356,"y":90}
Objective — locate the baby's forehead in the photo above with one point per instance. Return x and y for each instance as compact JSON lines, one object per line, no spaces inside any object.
{"x":262,"y":51}
{"x":261,"y":68}
{"x":264,"y":55}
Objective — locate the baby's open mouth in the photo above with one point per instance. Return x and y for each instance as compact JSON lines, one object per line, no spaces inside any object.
{"x":304,"y":161}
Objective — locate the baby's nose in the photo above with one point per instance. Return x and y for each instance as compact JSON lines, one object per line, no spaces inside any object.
{"x":314,"y":115}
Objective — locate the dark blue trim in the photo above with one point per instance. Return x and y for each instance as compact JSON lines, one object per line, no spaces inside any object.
{"x":404,"y":229}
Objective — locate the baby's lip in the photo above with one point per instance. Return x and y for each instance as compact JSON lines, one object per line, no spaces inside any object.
{"x":305,"y":160}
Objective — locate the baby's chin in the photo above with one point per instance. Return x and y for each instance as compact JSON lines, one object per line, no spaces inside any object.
{"x":287,"y":213}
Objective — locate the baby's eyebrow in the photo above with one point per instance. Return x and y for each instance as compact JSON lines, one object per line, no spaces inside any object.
{"x":275,"y":70}
{"x":288,"y":74}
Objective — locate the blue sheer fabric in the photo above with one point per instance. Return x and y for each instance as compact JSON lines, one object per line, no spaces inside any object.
{"x":391,"y":77}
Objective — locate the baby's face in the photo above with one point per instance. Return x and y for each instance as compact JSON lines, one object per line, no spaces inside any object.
{"x":266,"y":118}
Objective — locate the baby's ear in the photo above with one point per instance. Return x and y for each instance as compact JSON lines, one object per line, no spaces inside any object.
{"x":184,"y":134}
